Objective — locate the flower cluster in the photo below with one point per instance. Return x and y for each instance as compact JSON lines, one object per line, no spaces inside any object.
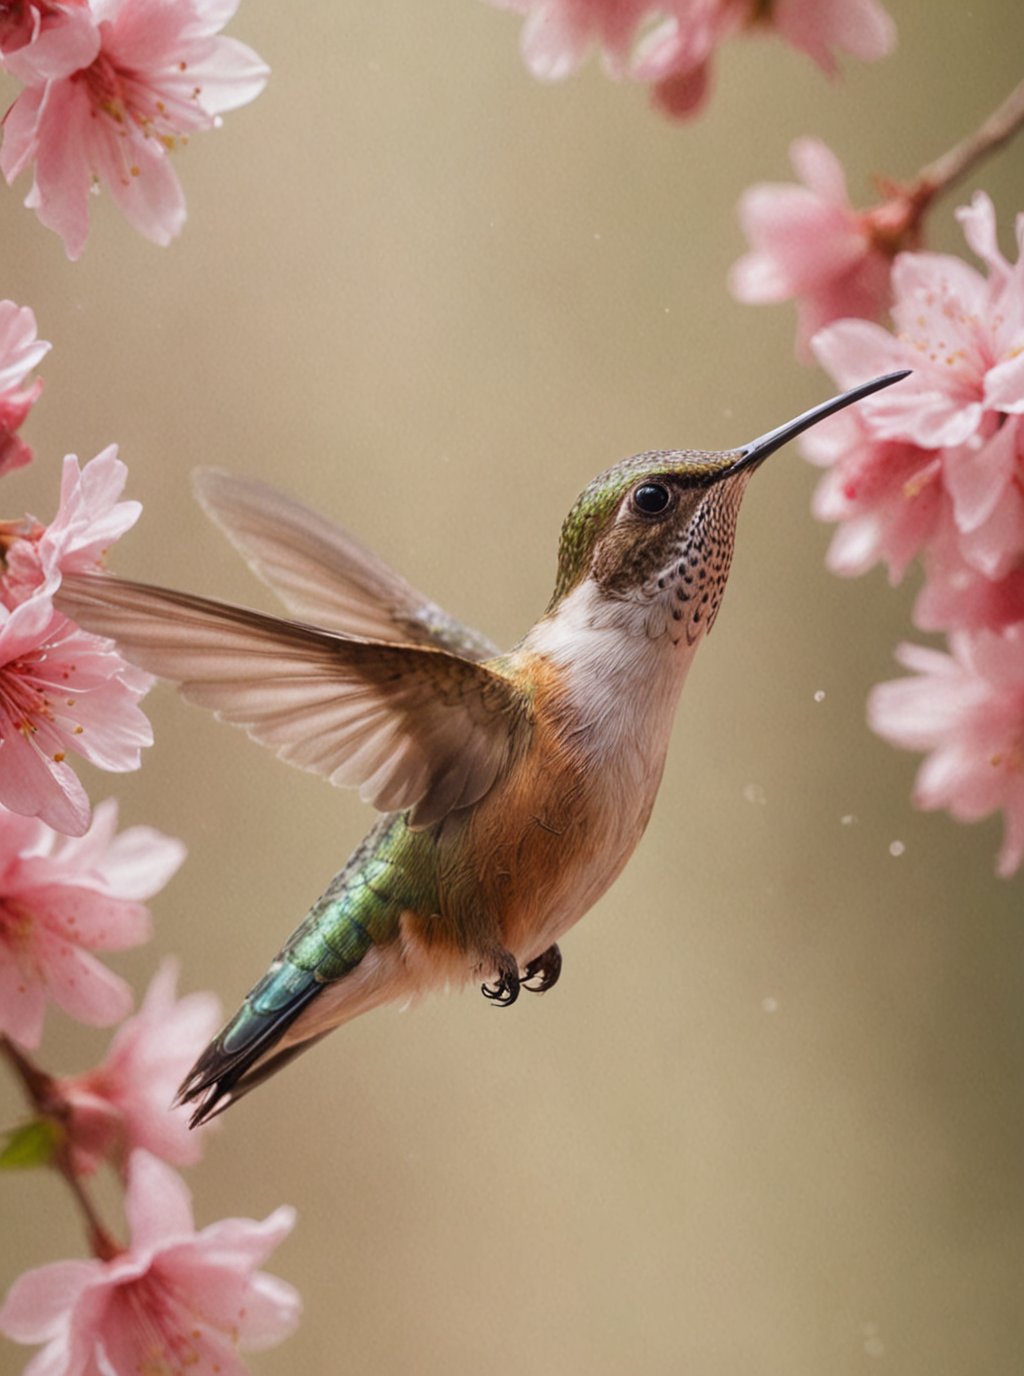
{"x":932,"y":469}
{"x":62,"y":691}
{"x":671,"y":44}
{"x":71,"y":887}
{"x":173,"y":1300}
{"x":111,"y":88}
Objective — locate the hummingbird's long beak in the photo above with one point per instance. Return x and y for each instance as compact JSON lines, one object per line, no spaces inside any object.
{"x":754,"y":453}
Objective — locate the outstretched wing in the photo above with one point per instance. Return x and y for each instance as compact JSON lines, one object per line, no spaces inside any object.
{"x":322,"y":574}
{"x":414,"y":727}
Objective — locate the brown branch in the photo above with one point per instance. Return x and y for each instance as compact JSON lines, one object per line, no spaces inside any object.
{"x":951,"y":167}
{"x":46,"y":1100}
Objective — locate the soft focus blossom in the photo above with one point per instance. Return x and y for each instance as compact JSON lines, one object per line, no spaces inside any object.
{"x":675,"y":55}
{"x":558,"y":35}
{"x":162,"y":72}
{"x":177,"y":1300}
{"x":808,"y":243}
{"x":671,"y":43}
{"x":967,"y":709}
{"x":819,"y":28}
{"x":20,"y":351}
{"x":955,"y":596}
{"x":962,"y":333}
{"x":62,"y":898}
{"x":44,"y":39}
{"x":126,"y":1101}
{"x":90,"y":517}
{"x":62,"y":690}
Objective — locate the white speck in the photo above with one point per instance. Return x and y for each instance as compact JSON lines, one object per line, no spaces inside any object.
{"x":597,"y":237}
{"x":873,"y":1345}
{"x":847,"y":820}
{"x":754,"y":793}
{"x":770,"y":1005}
{"x":896,"y":848}
{"x":819,"y":696}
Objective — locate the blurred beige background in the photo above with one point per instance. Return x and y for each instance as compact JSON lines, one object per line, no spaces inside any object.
{"x":771,"y":1120}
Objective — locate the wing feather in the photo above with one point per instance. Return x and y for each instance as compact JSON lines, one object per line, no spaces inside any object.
{"x":414,"y":727}
{"x":324,"y":575}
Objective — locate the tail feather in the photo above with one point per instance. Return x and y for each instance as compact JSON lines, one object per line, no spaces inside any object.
{"x":240,"y":1056}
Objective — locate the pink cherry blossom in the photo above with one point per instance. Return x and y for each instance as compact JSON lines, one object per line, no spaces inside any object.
{"x":861,"y":28}
{"x":886,"y":496}
{"x":20,"y":351}
{"x":44,"y":39}
{"x":126,"y":1101}
{"x":176,"y":1300}
{"x":671,"y":43}
{"x":90,"y":517}
{"x":963,"y":335}
{"x":62,"y":690}
{"x":675,"y":56}
{"x":558,"y":35}
{"x":955,"y":596}
{"x":62,"y":898}
{"x":162,"y":72}
{"x":809,"y":243}
{"x":967,"y":709}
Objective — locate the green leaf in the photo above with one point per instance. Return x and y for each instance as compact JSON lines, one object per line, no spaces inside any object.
{"x":33,"y":1144}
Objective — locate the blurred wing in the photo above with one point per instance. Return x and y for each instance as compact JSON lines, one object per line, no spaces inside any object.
{"x":413,"y":727}
{"x":322,"y":574}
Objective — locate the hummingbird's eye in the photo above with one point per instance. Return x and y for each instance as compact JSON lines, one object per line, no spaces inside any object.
{"x":651,"y":498}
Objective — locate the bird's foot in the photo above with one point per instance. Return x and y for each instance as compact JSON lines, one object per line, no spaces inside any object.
{"x":545,"y":969}
{"x":505,"y":990}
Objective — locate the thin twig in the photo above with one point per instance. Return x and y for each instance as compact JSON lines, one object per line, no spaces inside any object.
{"x":44,"y":1097}
{"x":1000,"y":126}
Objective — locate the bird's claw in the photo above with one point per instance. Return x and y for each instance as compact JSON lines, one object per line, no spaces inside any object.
{"x":505,"y":990}
{"x":545,"y":969}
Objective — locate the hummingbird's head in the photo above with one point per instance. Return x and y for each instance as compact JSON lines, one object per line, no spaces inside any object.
{"x":655,"y":533}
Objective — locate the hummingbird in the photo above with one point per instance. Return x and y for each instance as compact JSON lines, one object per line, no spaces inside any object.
{"x":513,"y":787}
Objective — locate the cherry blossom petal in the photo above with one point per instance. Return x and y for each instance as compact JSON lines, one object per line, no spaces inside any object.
{"x":157,"y":1203}
{"x":231,"y":76}
{"x":20,"y":139}
{"x":57,"y":904}
{"x":852,"y":350}
{"x":63,"y":175}
{"x":977,"y":476}
{"x":126,"y":1101}
{"x":965,"y":708}
{"x":20,"y":349}
{"x":82,"y":987}
{"x":1004,"y":385}
{"x":34,"y":1310}
{"x":22,"y":996}
{"x":861,"y":28}
{"x":979,"y":225}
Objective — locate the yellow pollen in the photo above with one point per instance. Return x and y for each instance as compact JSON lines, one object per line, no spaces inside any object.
{"x":59,"y":757}
{"x":134,"y":169}
{"x":79,"y":730}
